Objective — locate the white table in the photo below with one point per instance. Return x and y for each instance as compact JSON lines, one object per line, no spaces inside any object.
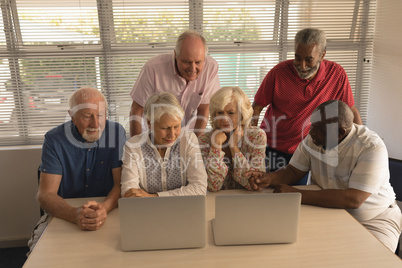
{"x":327,"y":238}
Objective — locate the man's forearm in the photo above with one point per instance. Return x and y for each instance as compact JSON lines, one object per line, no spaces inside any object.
{"x":256,"y":114}
{"x":202,"y":119}
{"x":334,"y":198}
{"x":112,"y":199}
{"x":288,"y":175}
{"x":199,"y":127}
{"x":357,"y":119}
{"x":136,"y":112}
{"x":56,"y":206}
{"x":135,"y":128}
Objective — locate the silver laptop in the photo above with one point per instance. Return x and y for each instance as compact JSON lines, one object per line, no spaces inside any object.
{"x":264,"y":218}
{"x":151,"y":223}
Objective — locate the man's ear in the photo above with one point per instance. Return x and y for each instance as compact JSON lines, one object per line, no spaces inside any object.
{"x":323,"y":54}
{"x":342,"y":132}
{"x":70,"y":113}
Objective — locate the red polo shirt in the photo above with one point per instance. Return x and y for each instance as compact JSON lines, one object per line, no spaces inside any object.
{"x":292,"y":99}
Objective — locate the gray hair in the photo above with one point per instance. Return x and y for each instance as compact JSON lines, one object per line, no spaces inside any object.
{"x":311,"y":36}
{"x":224,"y":96}
{"x":82,"y":95}
{"x":334,"y":110}
{"x":160,"y":104}
{"x":189,"y":34}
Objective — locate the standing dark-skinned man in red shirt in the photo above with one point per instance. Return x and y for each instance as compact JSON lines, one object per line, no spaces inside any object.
{"x":293,"y":89}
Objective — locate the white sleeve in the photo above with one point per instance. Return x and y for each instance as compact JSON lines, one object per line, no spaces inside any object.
{"x":301,"y":158}
{"x":130,"y":177}
{"x":371,"y":170}
{"x":144,"y":86}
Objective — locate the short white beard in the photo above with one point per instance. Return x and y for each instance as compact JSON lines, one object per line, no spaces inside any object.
{"x":310,"y":73}
{"x":92,"y":138}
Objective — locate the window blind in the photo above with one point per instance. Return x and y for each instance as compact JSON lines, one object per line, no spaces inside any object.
{"x":48,"y":49}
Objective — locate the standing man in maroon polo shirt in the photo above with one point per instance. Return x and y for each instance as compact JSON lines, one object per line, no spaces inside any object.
{"x":293,"y":89}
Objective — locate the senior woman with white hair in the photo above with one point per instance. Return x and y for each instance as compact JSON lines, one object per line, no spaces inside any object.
{"x":232,"y":147}
{"x":165,"y":160}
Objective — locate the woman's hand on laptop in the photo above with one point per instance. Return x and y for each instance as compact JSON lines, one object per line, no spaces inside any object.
{"x":133,"y":192}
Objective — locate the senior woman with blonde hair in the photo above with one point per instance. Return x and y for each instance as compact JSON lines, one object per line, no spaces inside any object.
{"x":165,"y":160}
{"x":232,"y":147}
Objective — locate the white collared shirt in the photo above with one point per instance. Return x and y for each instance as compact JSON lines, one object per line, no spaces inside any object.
{"x":180,"y":172}
{"x":360,"y":162}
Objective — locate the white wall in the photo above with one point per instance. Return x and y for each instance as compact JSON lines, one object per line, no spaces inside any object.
{"x":385,"y":99}
{"x":19,"y":208}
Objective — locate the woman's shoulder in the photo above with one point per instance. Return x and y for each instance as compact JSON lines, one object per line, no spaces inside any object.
{"x":254,"y":131}
{"x":137,"y":140}
{"x":255,"y":134}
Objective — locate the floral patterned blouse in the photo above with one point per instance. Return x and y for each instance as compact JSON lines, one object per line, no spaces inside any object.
{"x":224,"y":173}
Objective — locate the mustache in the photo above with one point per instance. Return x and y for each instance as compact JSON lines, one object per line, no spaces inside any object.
{"x":307,"y":69}
{"x":93,"y":129}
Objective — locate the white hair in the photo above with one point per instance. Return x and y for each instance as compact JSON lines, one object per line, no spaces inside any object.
{"x":224,"y":96}
{"x":310,"y":36}
{"x":160,"y":104}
